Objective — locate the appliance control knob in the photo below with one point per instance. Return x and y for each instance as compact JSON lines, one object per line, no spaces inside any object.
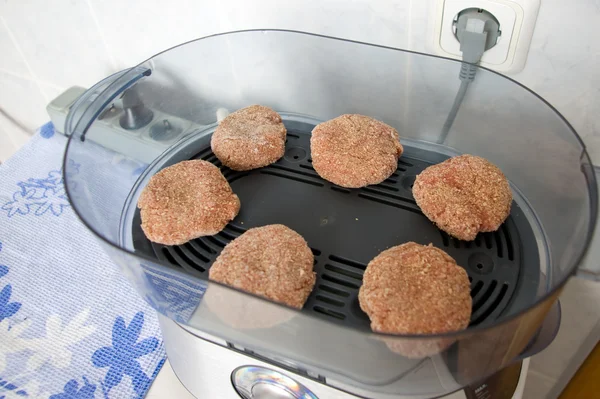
{"x":270,"y":391}
{"x":255,"y":382}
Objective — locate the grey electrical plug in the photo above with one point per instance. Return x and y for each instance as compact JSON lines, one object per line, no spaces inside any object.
{"x":469,"y":18}
{"x":477,"y":31}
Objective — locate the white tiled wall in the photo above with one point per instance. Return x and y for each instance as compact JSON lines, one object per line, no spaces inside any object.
{"x":45,"y":47}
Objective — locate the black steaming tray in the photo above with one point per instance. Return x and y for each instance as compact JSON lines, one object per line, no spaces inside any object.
{"x":346,"y":228}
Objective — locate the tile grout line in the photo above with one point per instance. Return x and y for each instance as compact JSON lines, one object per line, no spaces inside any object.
{"x":30,"y":79}
{"x":13,"y":39}
{"x":17,"y":75}
{"x":102,"y":36}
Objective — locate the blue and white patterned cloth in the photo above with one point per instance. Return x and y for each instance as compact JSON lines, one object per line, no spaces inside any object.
{"x":71,"y":326}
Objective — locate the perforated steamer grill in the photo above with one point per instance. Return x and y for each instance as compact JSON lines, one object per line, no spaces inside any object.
{"x":218,"y":338}
{"x":347,"y":228}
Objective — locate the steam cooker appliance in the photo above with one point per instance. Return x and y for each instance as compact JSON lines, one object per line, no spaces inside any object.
{"x":224,"y":343}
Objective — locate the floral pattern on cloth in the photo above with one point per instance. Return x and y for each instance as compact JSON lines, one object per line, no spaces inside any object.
{"x":71,"y":324}
{"x":39,"y":196}
{"x":121,"y":357}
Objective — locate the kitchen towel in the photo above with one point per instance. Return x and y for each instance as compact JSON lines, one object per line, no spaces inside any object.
{"x":71,"y":325}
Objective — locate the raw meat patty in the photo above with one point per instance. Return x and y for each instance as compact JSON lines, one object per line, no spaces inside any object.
{"x":355,"y":150}
{"x":184,"y":201}
{"x":413,"y":289}
{"x":271,"y":261}
{"x":463,"y":196}
{"x":249,"y":138}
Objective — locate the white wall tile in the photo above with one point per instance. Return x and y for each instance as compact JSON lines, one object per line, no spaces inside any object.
{"x":60,"y":41}
{"x":136,"y":30}
{"x":12,"y":137}
{"x":379,"y":22}
{"x":50,"y":91}
{"x":421,"y":25}
{"x":562,"y":65}
{"x":22,"y":99}
{"x":7,"y":147}
{"x":17,"y":136}
{"x":10,"y":60}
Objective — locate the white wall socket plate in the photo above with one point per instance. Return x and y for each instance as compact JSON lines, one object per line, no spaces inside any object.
{"x":517,"y":22}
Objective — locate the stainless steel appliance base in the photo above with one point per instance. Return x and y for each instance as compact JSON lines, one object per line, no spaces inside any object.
{"x":205,"y":368}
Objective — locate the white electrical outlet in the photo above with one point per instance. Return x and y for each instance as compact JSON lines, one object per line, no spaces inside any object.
{"x":517,"y":22}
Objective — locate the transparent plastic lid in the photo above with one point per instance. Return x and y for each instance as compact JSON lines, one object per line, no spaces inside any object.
{"x":163,"y":111}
